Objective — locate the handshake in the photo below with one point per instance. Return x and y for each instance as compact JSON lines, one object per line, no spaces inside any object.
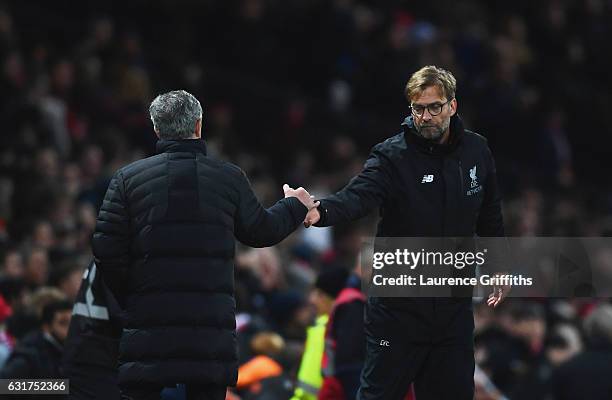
{"x":302,"y":195}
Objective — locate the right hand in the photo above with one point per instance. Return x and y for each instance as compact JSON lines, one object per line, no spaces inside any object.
{"x":302,"y":195}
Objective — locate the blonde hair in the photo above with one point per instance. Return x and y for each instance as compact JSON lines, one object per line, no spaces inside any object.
{"x":428,"y":76}
{"x":268,"y":343}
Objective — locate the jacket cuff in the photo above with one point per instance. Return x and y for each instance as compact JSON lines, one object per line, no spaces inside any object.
{"x":298,"y":210}
{"x":323,"y":214}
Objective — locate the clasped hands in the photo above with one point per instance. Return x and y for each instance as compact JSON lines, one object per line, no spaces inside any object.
{"x":313,"y":215}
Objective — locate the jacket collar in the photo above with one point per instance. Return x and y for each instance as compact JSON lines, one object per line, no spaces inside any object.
{"x":185,"y":145}
{"x":428,"y":146}
{"x":53,"y":342}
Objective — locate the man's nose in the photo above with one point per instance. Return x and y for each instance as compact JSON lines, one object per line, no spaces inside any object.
{"x":426,"y":115}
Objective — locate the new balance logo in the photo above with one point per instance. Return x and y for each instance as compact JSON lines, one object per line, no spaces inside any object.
{"x":384,"y":343}
{"x":427,"y":179}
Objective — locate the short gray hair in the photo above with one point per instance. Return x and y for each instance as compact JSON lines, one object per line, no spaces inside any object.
{"x":174,"y":115}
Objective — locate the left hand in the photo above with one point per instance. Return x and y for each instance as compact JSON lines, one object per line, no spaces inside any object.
{"x":500,"y":292}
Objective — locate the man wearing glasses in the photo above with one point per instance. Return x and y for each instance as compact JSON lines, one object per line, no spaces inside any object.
{"x":434,"y":179}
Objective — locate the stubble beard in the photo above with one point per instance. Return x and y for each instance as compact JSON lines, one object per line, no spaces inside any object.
{"x":433,"y":132}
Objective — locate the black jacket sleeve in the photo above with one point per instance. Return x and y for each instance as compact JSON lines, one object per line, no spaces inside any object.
{"x":111,"y":239}
{"x":256,"y":226}
{"x":363,"y":193}
{"x":490,"y":220}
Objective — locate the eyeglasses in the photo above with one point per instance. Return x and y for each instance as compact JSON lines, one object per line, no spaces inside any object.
{"x":433,"y":108}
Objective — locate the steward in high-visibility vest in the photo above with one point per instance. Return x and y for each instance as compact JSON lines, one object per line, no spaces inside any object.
{"x":309,"y":377}
{"x":344,"y":335}
{"x":329,"y":283}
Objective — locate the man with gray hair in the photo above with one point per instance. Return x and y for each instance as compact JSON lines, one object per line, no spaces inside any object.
{"x":164,"y":244}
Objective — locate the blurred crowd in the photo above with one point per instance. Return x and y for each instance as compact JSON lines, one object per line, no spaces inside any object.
{"x":297,"y":91}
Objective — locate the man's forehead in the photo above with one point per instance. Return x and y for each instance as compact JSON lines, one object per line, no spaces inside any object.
{"x":431,"y":94}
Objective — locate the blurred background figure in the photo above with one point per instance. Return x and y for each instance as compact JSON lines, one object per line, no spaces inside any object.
{"x":584,"y":374}
{"x":329,"y":283}
{"x":263,"y":376}
{"x":39,"y":354}
{"x":344,"y":342}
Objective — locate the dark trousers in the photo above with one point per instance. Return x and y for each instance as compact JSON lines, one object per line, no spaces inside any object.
{"x":429,"y":345}
{"x":194,"y":392}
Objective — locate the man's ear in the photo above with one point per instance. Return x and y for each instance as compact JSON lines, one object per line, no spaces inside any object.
{"x":198,"y":128}
{"x":453,"y":105}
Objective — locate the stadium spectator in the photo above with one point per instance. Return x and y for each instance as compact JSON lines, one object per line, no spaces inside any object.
{"x":39,"y":354}
{"x":329,"y":282}
{"x":586,"y":374}
{"x":344,"y":342}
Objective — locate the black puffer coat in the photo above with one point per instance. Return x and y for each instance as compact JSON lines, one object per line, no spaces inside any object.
{"x":164,"y":243}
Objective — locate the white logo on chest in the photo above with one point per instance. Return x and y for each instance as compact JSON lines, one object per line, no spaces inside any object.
{"x":475,"y":187}
{"x":474,"y":182}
